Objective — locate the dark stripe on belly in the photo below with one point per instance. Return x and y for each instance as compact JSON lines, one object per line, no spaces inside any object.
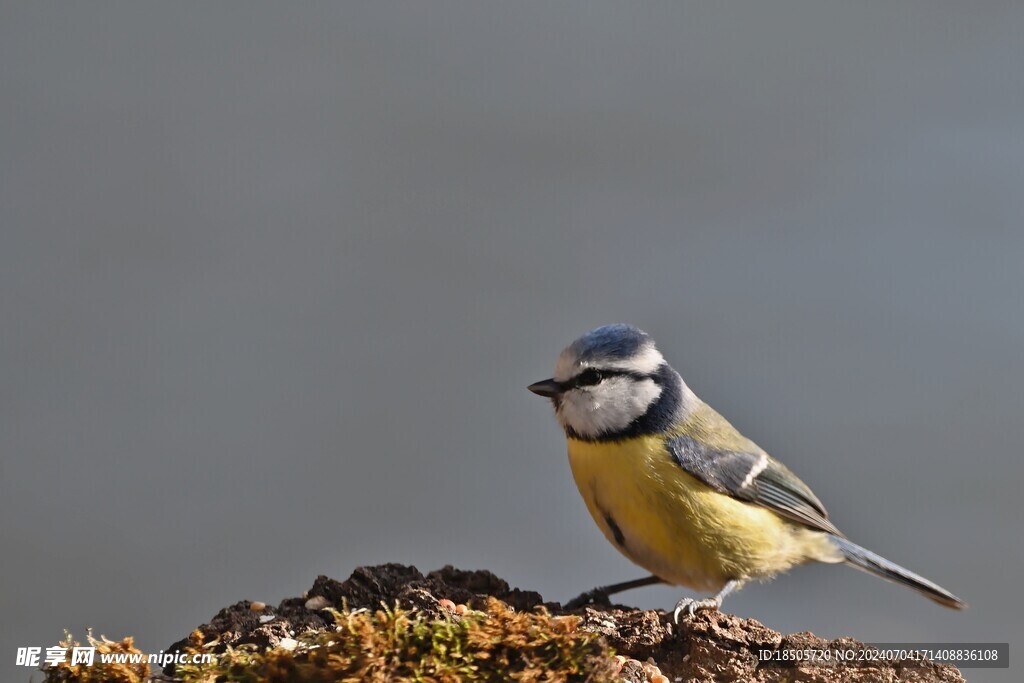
{"x":616,"y":531}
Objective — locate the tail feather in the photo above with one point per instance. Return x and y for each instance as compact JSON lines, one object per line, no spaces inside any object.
{"x":866,"y":560}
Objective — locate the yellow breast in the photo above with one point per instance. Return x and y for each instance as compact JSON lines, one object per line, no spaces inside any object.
{"x":675,"y":526}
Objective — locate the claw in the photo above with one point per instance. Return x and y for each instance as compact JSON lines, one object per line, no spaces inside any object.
{"x":691,"y":606}
{"x":675,"y":613}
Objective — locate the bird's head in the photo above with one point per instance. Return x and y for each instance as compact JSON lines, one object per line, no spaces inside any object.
{"x":611,"y":383}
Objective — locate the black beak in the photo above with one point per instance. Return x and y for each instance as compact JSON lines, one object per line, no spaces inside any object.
{"x":548,"y":388}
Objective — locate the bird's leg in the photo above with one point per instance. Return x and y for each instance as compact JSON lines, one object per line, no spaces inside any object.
{"x":691,"y":605}
{"x":601,"y":593}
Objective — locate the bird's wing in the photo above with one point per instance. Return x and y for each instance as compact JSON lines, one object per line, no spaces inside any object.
{"x":754,"y":477}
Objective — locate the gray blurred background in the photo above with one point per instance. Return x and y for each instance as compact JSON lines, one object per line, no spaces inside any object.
{"x":274,"y":279}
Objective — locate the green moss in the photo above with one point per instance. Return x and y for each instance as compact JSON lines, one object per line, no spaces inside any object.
{"x":496,"y":644}
{"x":98,"y":672}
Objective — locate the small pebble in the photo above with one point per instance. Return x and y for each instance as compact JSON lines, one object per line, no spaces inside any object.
{"x":461,"y":609}
{"x":267,"y":618}
{"x":288,"y":644}
{"x":659,"y":678}
{"x":651,"y":669}
{"x":446,"y":604}
{"x":317,"y":602}
{"x":257,"y":606}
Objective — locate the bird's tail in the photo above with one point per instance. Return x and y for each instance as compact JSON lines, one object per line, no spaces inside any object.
{"x":865,"y":560}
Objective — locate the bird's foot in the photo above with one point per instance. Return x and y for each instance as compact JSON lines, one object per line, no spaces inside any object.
{"x":597,"y":596}
{"x":691,"y":605}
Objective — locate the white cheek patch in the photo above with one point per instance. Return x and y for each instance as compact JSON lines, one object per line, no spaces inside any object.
{"x":608,"y":407}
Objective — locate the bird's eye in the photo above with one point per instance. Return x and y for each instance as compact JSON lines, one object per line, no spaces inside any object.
{"x":589,"y":377}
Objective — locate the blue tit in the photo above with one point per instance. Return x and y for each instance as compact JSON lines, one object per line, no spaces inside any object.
{"x":677,"y":489}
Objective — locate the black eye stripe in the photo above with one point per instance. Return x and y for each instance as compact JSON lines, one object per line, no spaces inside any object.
{"x":592,"y":376}
{"x":588,"y":377}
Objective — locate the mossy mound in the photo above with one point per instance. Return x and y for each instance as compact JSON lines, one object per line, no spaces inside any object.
{"x":493,"y":644}
{"x":392,"y":623}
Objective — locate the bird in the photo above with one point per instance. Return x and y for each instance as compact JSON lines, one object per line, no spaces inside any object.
{"x":681,"y":492}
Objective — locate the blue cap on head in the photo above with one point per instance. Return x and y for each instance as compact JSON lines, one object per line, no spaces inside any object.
{"x":616,"y":341}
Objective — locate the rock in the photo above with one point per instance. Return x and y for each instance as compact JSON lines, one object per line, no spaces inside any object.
{"x":711,"y":646}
